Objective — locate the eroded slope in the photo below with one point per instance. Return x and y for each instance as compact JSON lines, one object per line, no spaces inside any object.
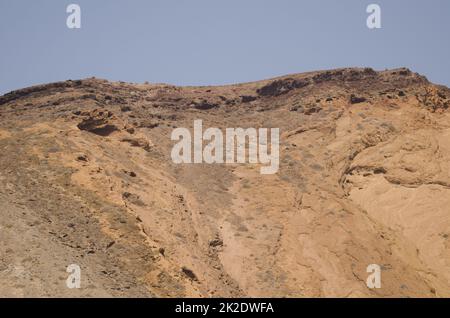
{"x":86,"y":178}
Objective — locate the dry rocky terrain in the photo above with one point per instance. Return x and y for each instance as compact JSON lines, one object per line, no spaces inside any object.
{"x":86,"y":178}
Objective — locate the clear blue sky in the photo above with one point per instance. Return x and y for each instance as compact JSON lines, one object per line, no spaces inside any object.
{"x":191,"y":42}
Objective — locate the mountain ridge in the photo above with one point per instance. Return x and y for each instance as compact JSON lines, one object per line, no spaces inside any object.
{"x":86,"y":178}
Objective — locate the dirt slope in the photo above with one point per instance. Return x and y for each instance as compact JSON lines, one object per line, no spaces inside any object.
{"x":86,"y":178}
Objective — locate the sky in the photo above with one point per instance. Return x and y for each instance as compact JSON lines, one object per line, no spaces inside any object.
{"x":212,"y":42}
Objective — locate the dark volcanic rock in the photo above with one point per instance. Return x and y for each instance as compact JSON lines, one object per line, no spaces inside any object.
{"x":281,"y":86}
{"x":98,"y":122}
{"x":248,"y":99}
{"x":355,"y":99}
{"x":204,"y":105}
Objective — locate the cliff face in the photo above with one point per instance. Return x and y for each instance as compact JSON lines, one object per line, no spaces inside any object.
{"x":86,"y":178}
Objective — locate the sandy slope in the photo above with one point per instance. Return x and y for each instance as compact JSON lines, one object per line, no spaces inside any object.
{"x":86,"y":178}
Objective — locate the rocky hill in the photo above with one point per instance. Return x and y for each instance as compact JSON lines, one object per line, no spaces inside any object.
{"x":86,"y":178}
